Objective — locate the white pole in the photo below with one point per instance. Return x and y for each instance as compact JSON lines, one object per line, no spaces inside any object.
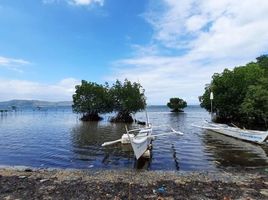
{"x":147,"y":117}
{"x":211,"y":105}
{"x":211,"y":110}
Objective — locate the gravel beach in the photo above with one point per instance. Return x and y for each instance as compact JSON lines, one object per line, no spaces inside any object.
{"x":123,"y":184}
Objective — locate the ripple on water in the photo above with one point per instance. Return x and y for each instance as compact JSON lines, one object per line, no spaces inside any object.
{"x":58,"y":139}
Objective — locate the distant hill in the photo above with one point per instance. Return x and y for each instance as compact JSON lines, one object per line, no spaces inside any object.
{"x":29,"y":104}
{"x":32,"y":104}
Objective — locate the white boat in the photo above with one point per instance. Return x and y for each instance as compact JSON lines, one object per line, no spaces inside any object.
{"x":140,"y":142}
{"x":243,"y":134}
{"x":141,"y":138}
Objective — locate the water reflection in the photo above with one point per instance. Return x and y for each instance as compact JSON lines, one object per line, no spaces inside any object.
{"x":143,"y":163}
{"x":87,"y":138}
{"x":177,"y":120}
{"x":176,"y":160}
{"x":231,"y":152}
{"x":57,"y":138}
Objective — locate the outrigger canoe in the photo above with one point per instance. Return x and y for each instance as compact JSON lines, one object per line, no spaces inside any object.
{"x":259,"y":137}
{"x":140,"y":138}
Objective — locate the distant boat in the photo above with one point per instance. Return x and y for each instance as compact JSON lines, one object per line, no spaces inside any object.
{"x":259,"y":137}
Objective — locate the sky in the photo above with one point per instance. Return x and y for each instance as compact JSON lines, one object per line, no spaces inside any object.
{"x":171,"y":47}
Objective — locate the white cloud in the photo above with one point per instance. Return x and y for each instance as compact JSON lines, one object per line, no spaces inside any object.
{"x":77,"y":2}
{"x":13,"y":63}
{"x":195,"y":23}
{"x":21,"y":89}
{"x":50,"y":1}
{"x":165,"y":77}
{"x":86,"y":2}
{"x":202,"y":37}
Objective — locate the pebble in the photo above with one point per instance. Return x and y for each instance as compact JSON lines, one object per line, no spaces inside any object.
{"x":43,"y":180}
{"x":217,"y":162}
{"x":153,"y":196}
{"x":7,"y":197}
{"x":169,"y":198}
{"x":28,"y":170}
{"x":109,"y":196}
{"x":47,"y":188}
{"x":264,"y":192}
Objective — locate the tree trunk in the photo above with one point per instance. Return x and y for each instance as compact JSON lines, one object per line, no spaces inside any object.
{"x":91,"y":117}
{"x":122,"y":117}
{"x":177,"y":110}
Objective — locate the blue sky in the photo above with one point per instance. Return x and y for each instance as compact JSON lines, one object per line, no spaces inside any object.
{"x":172,"y":47}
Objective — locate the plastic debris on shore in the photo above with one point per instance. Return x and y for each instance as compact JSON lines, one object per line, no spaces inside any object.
{"x":160,"y":190}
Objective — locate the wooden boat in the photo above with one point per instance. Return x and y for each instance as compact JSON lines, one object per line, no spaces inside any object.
{"x":140,"y":142}
{"x":259,"y":137}
{"x":141,"y":138}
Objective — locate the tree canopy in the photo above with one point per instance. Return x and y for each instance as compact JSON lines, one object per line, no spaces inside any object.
{"x":91,"y":99}
{"x":240,"y":95}
{"x":127,"y":98}
{"x":176,"y":104}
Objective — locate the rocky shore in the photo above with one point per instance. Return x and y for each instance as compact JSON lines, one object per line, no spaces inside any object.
{"x":123,"y":184}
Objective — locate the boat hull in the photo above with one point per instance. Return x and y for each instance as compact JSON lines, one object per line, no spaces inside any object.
{"x":247,"y":135}
{"x":141,"y":142}
{"x":139,"y":147}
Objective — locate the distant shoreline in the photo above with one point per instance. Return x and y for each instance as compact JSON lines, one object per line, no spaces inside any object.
{"x":34,"y":103}
{"x":39,"y":105}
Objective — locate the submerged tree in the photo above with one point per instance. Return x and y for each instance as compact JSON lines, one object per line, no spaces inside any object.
{"x":91,"y":99}
{"x":240,"y":95}
{"x":176,"y":104}
{"x":14,"y":108}
{"x":127,"y":98}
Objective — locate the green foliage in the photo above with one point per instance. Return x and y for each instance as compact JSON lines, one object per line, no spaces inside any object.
{"x":14,"y":108}
{"x":263,"y":61}
{"x":90,"y":99}
{"x":255,"y":104}
{"x":176,"y":104}
{"x":240,"y":95}
{"x":127,"y":98}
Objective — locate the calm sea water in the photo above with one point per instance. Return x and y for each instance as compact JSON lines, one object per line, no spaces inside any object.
{"x":57,"y":138}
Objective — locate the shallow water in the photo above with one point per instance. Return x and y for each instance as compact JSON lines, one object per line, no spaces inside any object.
{"x":58,"y":139}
